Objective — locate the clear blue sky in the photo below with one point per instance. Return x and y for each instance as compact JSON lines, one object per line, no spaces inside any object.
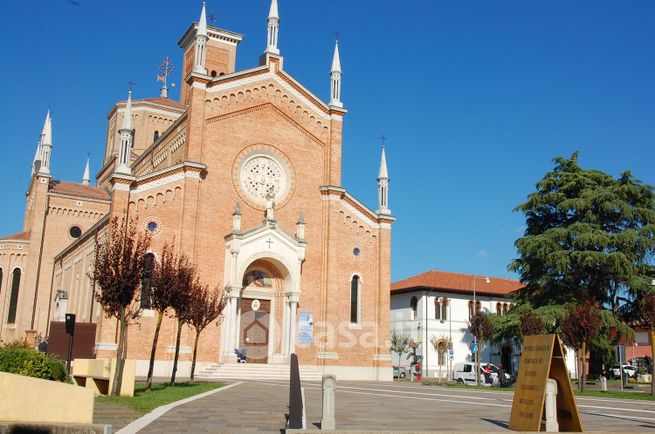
{"x":475,"y":98}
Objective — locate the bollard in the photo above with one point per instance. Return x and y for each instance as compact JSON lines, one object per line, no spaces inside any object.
{"x":295,"y":396}
{"x":329,"y":386}
{"x":603,"y":384}
{"x":551,"y":406}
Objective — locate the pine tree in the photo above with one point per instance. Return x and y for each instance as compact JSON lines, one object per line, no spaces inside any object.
{"x":588,"y":236}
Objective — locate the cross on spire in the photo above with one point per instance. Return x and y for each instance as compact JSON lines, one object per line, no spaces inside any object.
{"x":384,"y":139}
{"x":336,"y":35}
{"x":130,"y":85}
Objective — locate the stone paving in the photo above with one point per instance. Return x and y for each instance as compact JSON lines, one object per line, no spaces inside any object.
{"x":262,"y":407}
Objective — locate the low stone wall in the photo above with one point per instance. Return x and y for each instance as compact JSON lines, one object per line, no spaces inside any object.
{"x":12,"y":428}
{"x":33,"y":400}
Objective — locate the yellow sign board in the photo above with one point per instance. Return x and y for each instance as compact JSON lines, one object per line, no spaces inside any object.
{"x":542,"y":357}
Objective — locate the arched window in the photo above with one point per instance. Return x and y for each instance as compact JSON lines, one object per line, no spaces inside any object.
{"x":354,"y":300}
{"x":470,"y":309}
{"x":155,"y":136}
{"x":13,"y":300}
{"x":146,"y":280}
{"x":499,"y":309}
{"x":413,"y":304}
{"x":505,"y":308}
{"x":441,"y":309}
{"x":478,"y":307}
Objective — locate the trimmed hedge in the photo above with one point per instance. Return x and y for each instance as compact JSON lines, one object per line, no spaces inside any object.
{"x":24,"y":361}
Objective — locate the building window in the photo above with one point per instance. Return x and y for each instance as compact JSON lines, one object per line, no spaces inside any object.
{"x":441,"y":309}
{"x":499,"y":309}
{"x":155,"y":136}
{"x":354,"y":300}
{"x":505,"y":308}
{"x":75,"y":232}
{"x":146,"y":280}
{"x":413,"y":304}
{"x":470,"y":309}
{"x":13,"y":300}
{"x":478,"y":307}
{"x":2,"y":275}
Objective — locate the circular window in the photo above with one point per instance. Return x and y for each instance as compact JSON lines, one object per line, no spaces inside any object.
{"x":152,"y":226}
{"x":356,"y":251}
{"x":75,"y":232}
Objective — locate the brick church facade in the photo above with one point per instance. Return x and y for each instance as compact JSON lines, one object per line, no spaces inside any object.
{"x":244,"y":176}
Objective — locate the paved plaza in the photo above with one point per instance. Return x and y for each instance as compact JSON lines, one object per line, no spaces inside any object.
{"x":399,"y":406}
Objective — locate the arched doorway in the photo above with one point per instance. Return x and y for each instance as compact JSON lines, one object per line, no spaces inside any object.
{"x":262,"y":316}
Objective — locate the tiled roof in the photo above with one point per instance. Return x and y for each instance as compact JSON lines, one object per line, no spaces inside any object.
{"x":79,"y":190}
{"x":164,"y":101}
{"x":20,"y":236}
{"x":457,"y":282}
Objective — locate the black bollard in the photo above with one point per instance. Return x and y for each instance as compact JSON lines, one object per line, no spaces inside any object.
{"x":295,"y":395}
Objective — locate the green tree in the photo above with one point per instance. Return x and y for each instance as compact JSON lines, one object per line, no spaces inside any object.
{"x":399,"y":344}
{"x":588,"y":236}
{"x":644,"y":310}
{"x":117,"y":273}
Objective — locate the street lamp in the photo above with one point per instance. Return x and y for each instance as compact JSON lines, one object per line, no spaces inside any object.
{"x":475,"y":338}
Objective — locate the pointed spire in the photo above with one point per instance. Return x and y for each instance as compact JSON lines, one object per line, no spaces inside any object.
{"x":383,"y":174}
{"x":37,"y":157}
{"x":272,"y":12}
{"x":301,"y":217}
{"x":383,"y":184}
{"x":202,"y":22}
{"x":123,"y":165}
{"x":335,"y":78}
{"x":201,"y":44}
{"x":86,"y":179}
{"x":273,"y":29}
{"x":237,"y":209}
{"x":336,"y":60}
{"x":45,"y":145}
{"x":127,"y":116}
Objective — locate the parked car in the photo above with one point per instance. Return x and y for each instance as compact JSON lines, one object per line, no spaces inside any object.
{"x":464,"y":373}
{"x":399,"y":372}
{"x":628,"y":370}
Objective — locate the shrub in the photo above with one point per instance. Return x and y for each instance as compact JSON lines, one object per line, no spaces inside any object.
{"x":23,"y":361}
{"x":16,"y":343}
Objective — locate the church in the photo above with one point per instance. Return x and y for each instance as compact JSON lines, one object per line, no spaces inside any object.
{"x":243,"y":175}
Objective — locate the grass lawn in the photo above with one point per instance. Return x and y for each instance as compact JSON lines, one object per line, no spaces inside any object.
{"x":144,"y":402}
{"x":616,"y":394}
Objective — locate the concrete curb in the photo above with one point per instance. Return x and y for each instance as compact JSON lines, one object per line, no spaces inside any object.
{"x":158,"y":412}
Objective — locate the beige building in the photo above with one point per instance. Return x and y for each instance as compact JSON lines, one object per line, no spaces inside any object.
{"x":244,"y":174}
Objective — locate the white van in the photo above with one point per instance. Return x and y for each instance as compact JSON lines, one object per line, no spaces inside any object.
{"x":464,"y":373}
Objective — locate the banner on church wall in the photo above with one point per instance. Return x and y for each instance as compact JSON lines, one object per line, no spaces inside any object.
{"x":306,"y":328}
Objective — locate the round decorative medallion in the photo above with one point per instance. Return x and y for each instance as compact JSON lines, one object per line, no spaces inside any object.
{"x":255,"y":304}
{"x":261,"y":170}
{"x":261,"y":175}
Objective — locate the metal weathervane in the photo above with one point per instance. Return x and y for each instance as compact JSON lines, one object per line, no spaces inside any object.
{"x":165,"y":69}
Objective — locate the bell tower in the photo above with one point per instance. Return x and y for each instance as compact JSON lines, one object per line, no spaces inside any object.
{"x":208,"y":51}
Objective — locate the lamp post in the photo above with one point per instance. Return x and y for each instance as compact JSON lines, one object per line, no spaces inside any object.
{"x":475,"y":338}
